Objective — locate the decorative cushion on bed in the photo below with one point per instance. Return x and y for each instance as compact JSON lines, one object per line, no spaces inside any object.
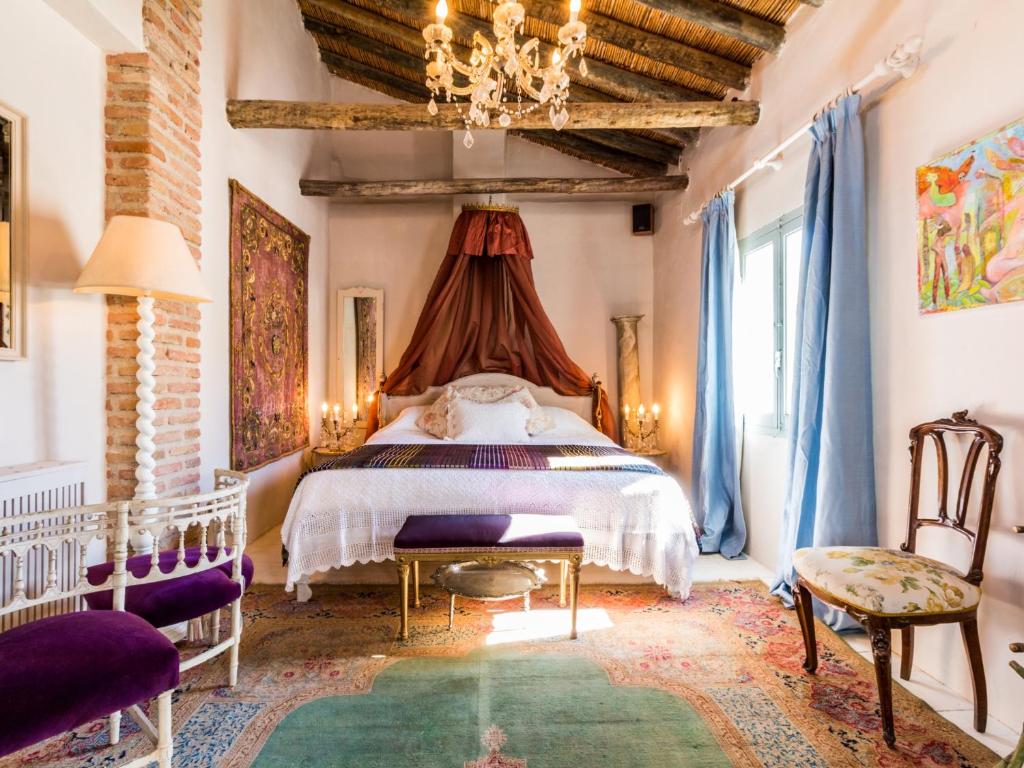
{"x":163,"y":603}
{"x":886,"y":582}
{"x":437,"y":419}
{"x":486,"y":423}
{"x":65,"y":671}
{"x":484,"y":532}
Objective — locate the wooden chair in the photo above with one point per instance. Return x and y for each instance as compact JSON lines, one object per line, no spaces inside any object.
{"x":61,"y":672}
{"x":887,"y":589}
{"x":188,"y":582}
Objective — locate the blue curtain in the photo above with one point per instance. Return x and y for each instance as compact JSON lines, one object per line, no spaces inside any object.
{"x":716,"y":472}
{"x":830,"y":498}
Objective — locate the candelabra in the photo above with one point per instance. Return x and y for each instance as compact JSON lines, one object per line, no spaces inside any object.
{"x":337,"y":435}
{"x":640,"y":433}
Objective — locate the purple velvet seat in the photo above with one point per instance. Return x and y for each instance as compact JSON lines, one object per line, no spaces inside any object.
{"x":485,"y":532}
{"x":62,"y":672}
{"x":172,"y":601}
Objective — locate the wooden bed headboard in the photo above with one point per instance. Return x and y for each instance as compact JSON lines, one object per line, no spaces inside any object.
{"x":586,"y":406}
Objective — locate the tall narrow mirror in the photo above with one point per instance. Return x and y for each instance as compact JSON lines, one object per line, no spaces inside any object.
{"x":360,"y":347}
{"x":12,"y":281}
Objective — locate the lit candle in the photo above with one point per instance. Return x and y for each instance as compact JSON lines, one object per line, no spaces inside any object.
{"x":369,"y":399}
{"x":627,"y":412}
{"x":555,"y":58}
{"x":574,"y":9}
{"x":640,"y":413}
{"x":323,"y":408}
{"x":441,"y":11}
{"x":656,"y":410}
{"x":337,"y":412}
{"x":355,"y":412}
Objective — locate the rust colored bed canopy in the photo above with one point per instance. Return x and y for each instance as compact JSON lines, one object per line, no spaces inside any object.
{"x":483,"y":315}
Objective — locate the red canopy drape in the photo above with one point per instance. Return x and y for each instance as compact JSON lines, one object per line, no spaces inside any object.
{"x":483,"y":314}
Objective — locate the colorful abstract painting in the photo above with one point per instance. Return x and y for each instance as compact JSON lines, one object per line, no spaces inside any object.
{"x":971,"y":224}
{"x":269,"y":355}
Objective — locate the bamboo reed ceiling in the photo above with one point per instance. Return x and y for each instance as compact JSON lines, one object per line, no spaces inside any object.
{"x":376,"y":44}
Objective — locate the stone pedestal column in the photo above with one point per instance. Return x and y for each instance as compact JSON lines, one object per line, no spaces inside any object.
{"x":629,"y":361}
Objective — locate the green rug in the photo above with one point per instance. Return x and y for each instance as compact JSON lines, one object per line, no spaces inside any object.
{"x":554,"y":710}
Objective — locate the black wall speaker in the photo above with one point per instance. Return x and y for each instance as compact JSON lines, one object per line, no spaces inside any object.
{"x":643,"y":219}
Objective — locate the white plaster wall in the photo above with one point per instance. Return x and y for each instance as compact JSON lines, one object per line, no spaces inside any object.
{"x":924,"y":367}
{"x":257,"y":49}
{"x":587,"y":267}
{"x":52,"y":404}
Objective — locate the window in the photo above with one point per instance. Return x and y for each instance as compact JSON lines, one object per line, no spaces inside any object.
{"x":765,"y":322}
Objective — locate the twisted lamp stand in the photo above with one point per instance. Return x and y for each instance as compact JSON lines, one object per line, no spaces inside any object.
{"x":145,"y":479}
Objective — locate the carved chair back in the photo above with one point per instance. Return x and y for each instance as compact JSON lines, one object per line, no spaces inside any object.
{"x":46,"y":537}
{"x":214,"y":521}
{"x":217,"y":519}
{"x":983,"y":440}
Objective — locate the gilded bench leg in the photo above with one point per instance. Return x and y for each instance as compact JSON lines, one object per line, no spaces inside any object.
{"x":563,"y":572}
{"x":574,"y":594}
{"x":416,"y":582}
{"x":451,"y":612}
{"x":403,"y":580}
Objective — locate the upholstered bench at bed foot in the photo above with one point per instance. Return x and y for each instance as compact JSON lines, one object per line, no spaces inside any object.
{"x":172,"y":601}
{"x":519,"y":537}
{"x":62,"y":672}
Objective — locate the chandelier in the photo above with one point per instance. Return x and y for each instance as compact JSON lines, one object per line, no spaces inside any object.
{"x":503,"y":80}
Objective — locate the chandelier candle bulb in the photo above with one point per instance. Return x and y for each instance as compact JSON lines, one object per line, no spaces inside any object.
{"x":501,"y":74}
{"x":656,"y":410}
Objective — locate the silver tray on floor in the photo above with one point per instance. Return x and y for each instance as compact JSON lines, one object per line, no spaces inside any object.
{"x":483,"y":581}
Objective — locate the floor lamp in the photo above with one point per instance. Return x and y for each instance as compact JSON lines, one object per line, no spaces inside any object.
{"x":149,"y":259}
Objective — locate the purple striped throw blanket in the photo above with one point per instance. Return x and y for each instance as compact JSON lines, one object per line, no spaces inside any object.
{"x":572,"y":458}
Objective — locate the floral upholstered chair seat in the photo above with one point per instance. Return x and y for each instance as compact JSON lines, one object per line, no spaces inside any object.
{"x":886,"y":582}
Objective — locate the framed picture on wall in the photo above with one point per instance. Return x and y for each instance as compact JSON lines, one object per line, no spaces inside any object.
{"x":971,"y":224}
{"x":269,"y":333}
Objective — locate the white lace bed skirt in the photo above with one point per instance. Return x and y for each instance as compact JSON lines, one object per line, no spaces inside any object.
{"x":633,"y":522}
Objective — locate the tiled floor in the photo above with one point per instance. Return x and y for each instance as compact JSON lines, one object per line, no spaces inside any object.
{"x":1000,"y":738}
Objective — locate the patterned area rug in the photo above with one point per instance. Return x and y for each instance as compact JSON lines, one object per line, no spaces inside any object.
{"x":716,"y":681}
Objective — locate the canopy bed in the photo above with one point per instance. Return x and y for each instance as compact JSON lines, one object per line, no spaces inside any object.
{"x":483,"y":330}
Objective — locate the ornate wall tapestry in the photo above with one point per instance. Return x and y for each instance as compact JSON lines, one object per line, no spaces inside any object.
{"x":971,"y":224}
{"x":269,"y":355}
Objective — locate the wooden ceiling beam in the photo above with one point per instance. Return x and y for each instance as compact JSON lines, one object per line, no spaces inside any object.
{"x":573,"y":143}
{"x":724,"y":19}
{"x":622,"y":83}
{"x":574,"y":146}
{"x":349,"y":190}
{"x":412,"y":41}
{"x":634,"y":143}
{"x":656,"y":47}
{"x":315,"y":115}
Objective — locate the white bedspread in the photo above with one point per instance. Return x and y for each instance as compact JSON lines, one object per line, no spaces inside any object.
{"x":630,"y":521}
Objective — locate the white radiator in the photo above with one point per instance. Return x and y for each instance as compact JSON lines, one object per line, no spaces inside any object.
{"x":39,"y":487}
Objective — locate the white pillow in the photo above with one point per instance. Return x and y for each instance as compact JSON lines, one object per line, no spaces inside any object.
{"x":489,"y":423}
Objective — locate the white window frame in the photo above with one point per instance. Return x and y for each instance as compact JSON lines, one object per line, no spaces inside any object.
{"x":775,"y":233}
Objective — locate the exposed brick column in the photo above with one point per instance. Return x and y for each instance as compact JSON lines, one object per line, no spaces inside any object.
{"x":153,"y":122}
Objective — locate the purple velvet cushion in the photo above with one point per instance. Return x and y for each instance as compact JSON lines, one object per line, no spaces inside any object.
{"x":62,"y":672}
{"x":163,"y":603}
{"x":489,"y":532}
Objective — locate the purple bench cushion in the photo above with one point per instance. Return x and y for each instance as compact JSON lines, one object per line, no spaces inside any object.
{"x":65,"y":671}
{"x":171,"y":601}
{"x":482,"y":532}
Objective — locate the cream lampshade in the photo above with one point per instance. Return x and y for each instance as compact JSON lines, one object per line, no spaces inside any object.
{"x":147,"y":258}
{"x":143,"y":257}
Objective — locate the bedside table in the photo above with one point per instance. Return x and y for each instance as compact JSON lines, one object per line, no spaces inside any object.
{"x":659,"y":456}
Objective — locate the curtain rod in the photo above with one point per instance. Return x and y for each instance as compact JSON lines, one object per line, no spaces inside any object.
{"x":904,"y":60}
